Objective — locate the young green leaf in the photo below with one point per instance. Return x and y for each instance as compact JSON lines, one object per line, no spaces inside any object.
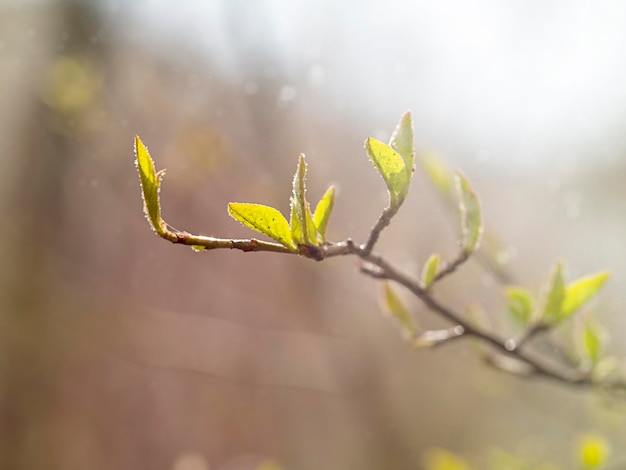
{"x":323,"y":211}
{"x":554,"y":295}
{"x":471,"y":214}
{"x":311,"y":229}
{"x":302,"y":225}
{"x":591,"y":341}
{"x":150,"y":185}
{"x":297,"y":230}
{"x":520,"y":304}
{"x":580,"y":291}
{"x":402,"y":141}
{"x":438,"y":172}
{"x":295,"y":224}
{"x":392,"y":167}
{"x":263,"y":219}
{"x":393,"y":306}
{"x":430,"y":270}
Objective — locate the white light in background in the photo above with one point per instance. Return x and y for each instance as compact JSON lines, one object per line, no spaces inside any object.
{"x":520,"y":81}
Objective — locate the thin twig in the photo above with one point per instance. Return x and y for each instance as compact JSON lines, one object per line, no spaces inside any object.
{"x":530,"y":333}
{"x":435,"y":338}
{"x":382,"y":222}
{"x":451,"y":266}
{"x":377,"y":267}
{"x":209,"y":243}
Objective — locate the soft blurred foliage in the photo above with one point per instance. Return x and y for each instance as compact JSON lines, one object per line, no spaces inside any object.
{"x":121,"y":351}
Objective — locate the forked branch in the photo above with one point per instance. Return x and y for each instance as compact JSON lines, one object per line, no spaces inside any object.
{"x":304,"y":234}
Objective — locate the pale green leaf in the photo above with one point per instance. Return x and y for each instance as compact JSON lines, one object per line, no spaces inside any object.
{"x":430,"y":270}
{"x":438,"y":172}
{"x":303,"y":227}
{"x":297,"y":230}
{"x":580,"y":291}
{"x":150,"y":185}
{"x":198,"y":248}
{"x":593,"y":452}
{"x":323,"y":211}
{"x":554,"y":295}
{"x":310,"y":226}
{"x":592,"y":343}
{"x":295,"y":223}
{"x":471,"y":214}
{"x":393,"y":306}
{"x":263,"y":219}
{"x":392,"y":168}
{"x":440,"y":459}
{"x":402,"y":141}
{"x":591,"y":338}
{"x":520,"y":304}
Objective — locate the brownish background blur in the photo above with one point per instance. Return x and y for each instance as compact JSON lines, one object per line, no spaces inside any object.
{"x":121,"y":351}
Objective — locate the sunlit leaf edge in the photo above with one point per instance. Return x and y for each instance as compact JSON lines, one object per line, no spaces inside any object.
{"x":402,"y":140}
{"x":430,"y":269}
{"x":150,"y":185}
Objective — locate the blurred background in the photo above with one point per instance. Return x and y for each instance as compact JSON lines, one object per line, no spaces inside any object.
{"x":121,"y":351}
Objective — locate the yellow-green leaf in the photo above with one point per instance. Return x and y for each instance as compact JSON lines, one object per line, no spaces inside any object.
{"x":402,"y":141}
{"x":323,"y":211}
{"x":393,"y":306}
{"x":554,"y":295}
{"x":580,"y":291}
{"x":263,"y":219}
{"x":297,"y":230}
{"x":471,"y":214}
{"x":430,"y":270}
{"x":591,"y":340}
{"x":520,"y":304}
{"x":295,"y":224}
{"x":392,"y":168}
{"x":438,"y":172}
{"x":593,"y":451}
{"x":302,"y":224}
{"x":150,"y":185}
{"x":311,"y":229}
{"x":440,"y":459}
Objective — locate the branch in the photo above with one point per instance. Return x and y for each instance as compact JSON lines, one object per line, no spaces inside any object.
{"x":201,"y":243}
{"x":305,"y":235}
{"x":382,"y":222}
{"x":509,"y":358}
{"x":451,"y":266}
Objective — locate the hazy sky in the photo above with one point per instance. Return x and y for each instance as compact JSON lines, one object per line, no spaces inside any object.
{"x":514,"y":81}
